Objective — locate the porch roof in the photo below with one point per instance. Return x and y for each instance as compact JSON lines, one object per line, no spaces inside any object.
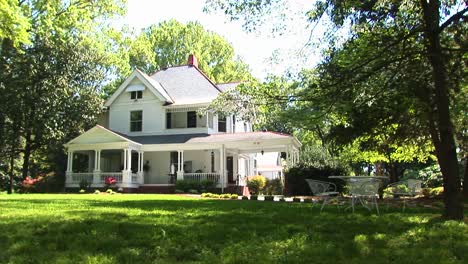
{"x":221,"y":138}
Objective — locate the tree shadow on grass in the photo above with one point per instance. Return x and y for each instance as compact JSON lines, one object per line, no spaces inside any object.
{"x":209,"y":231}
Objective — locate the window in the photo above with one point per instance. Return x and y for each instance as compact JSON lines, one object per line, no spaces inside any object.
{"x":221,"y":124}
{"x":233,"y":124}
{"x":136,"y":120}
{"x":168,"y":120}
{"x":136,"y":95}
{"x":191,"y":119}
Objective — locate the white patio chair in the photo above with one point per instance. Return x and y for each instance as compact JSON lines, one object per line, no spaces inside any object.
{"x":407,"y":188}
{"x":322,"y":189}
{"x":362,"y":188}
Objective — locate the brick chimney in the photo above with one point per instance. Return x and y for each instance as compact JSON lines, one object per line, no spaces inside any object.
{"x":192,"y":60}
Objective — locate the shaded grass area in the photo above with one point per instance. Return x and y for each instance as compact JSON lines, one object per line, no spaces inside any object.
{"x":67,"y":228}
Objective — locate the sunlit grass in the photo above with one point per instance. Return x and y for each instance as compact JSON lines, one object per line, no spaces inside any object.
{"x":69,"y":228}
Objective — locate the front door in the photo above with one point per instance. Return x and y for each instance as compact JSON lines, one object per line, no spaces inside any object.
{"x":230,"y":169}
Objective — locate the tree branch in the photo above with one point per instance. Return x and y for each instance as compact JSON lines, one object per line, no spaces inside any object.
{"x":452,"y":19}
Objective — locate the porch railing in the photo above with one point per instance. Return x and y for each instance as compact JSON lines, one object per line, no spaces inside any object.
{"x":134,"y":178}
{"x":202,"y":176}
{"x":77,"y":177}
{"x":116,"y":175}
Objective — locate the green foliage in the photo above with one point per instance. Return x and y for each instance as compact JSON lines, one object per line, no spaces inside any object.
{"x":219,"y":196}
{"x":14,"y":22}
{"x":430,"y":176}
{"x":193,"y":186}
{"x":269,"y":198}
{"x":274,"y":186}
{"x":295,"y":178}
{"x":256,"y":184}
{"x":56,"y":52}
{"x":253,"y":197}
{"x":84,"y":184}
{"x":170,"y":42}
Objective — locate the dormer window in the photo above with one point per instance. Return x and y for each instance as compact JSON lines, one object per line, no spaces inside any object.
{"x":136,"y":91}
{"x":136,"y":95}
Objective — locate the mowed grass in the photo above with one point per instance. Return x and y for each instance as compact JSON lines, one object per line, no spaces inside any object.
{"x":68,"y":228}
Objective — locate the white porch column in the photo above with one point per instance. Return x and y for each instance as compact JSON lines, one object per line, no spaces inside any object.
{"x":140,"y":168}
{"x":69,"y":164}
{"x":235,"y":168}
{"x":97,"y":170}
{"x":288,"y":155}
{"x":129,"y":159}
{"x":127,"y":173}
{"x":71,"y":160}
{"x":222,"y":166}
{"x":125,"y":160}
{"x":68,"y":173}
{"x":139,"y":162}
{"x":99,"y":160}
{"x":180,"y":167}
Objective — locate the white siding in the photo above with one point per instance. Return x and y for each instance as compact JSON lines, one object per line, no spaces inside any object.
{"x":153,"y":113}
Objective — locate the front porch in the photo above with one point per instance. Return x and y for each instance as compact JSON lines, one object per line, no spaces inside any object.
{"x":160,"y":161}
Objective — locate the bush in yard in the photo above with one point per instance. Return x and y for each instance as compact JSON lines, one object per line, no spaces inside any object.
{"x":82,"y":191}
{"x":234,"y":196}
{"x":256,"y":184}
{"x":253,"y":197}
{"x":297,"y":200}
{"x":84,"y":184}
{"x":273,"y":187}
{"x":207,"y":185}
{"x":109,"y":182}
{"x":295,"y":178}
{"x":192,"y":186}
{"x":245,"y":198}
{"x":436,"y":192}
{"x":269,"y":197}
{"x":29,"y":184}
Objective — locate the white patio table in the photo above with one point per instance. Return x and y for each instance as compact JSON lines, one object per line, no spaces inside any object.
{"x":361,"y":187}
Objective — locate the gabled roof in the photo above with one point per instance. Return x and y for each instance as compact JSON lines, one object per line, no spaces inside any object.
{"x":186,"y":84}
{"x":99,"y":134}
{"x":227,"y":86}
{"x":150,"y":83}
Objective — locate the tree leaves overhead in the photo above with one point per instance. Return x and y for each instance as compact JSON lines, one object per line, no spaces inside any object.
{"x":50,"y":82}
{"x":169,"y":44}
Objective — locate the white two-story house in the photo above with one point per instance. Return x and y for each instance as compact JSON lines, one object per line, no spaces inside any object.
{"x":151,"y":135}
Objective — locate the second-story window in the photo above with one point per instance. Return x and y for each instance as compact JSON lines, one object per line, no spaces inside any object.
{"x":136,"y":95}
{"x":233,"y":124}
{"x":168,"y":120}
{"x":191,"y":119}
{"x":136,"y":121}
{"x":221,"y":124}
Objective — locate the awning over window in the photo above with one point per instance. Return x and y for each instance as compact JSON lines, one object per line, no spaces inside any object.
{"x":135,"y":87}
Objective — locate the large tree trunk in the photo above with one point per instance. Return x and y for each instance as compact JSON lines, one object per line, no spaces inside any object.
{"x":12,"y":173}
{"x":465,"y":179}
{"x":26,"y":157}
{"x":444,"y":143}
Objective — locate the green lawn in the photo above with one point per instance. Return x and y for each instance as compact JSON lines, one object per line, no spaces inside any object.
{"x":68,"y":228}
